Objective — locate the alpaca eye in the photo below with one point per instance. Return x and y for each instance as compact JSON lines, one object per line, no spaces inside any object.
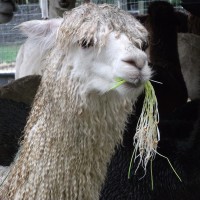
{"x":144,"y":46}
{"x":85,"y":44}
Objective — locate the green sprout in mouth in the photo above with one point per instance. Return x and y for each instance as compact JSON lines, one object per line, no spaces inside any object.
{"x":118,"y":82}
{"x":147,"y":133}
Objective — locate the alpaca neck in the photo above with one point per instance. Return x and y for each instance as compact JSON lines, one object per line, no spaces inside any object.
{"x":163,"y":35}
{"x":66,"y":153}
{"x":163,"y":40}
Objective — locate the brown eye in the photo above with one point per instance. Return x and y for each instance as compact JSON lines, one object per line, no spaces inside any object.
{"x":144,"y":46}
{"x":85,"y":44}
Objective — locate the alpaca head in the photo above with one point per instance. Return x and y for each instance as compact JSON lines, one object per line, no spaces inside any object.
{"x":98,"y":44}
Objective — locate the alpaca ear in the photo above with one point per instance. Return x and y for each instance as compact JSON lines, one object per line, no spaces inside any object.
{"x":38,"y":28}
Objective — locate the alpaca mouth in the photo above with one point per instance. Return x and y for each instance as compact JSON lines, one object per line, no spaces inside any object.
{"x":134,"y":84}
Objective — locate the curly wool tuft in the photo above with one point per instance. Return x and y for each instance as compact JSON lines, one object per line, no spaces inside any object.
{"x":93,"y":22}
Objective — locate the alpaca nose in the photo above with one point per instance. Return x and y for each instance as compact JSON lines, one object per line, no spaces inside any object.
{"x":138,"y":63}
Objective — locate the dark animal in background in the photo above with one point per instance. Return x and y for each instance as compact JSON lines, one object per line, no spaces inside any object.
{"x":58,"y":7}
{"x":179,"y":142}
{"x":188,"y":30}
{"x":55,"y":8}
{"x":21,"y":90}
{"x":179,"y":127}
{"x":164,"y":57}
{"x":194,"y":24}
{"x":163,"y":53}
{"x":189,"y":54}
{"x":13,"y":116}
{"x":194,"y":17}
{"x":15,"y":103}
{"x":192,"y":6}
{"x":7,"y":7}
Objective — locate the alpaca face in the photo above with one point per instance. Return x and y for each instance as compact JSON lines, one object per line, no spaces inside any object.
{"x":118,"y":58}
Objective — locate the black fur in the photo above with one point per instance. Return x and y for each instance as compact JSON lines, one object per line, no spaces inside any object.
{"x":162,"y":26}
{"x":13,"y":116}
{"x":179,"y":127}
{"x":180,"y":137}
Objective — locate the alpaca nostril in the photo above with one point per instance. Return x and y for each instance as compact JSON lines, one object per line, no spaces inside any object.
{"x":131,"y":62}
{"x":134,"y":63}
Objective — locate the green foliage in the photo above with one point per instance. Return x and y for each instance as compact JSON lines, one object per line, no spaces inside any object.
{"x":8,"y":53}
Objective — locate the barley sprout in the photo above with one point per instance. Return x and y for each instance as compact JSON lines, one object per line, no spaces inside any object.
{"x":147,"y":133}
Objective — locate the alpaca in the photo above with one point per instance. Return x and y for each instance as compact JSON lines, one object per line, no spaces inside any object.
{"x":58,"y":7}
{"x":194,"y":24}
{"x":187,"y":43}
{"x":179,"y":131}
{"x":41,"y":38}
{"x":192,"y":6}
{"x":15,"y":101}
{"x":76,"y":121}
{"x":6,"y":10}
{"x":164,"y":58}
{"x":55,"y":8}
{"x":182,"y":21}
{"x":189,"y":54}
{"x":11,"y":111}
{"x":22,"y":90}
{"x":193,"y":16}
{"x":179,"y":142}
{"x":180,"y":18}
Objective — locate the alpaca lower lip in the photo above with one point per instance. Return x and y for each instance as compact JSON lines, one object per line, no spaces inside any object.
{"x":133,"y":85}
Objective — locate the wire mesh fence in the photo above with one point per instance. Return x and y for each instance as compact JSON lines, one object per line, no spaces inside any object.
{"x":140,"y":6}
{"x":11,"y":39}
{"x":136,"y":6}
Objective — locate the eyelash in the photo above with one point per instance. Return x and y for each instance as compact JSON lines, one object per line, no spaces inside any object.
{"x":85,"y":44}
{"x":144,"y":46}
